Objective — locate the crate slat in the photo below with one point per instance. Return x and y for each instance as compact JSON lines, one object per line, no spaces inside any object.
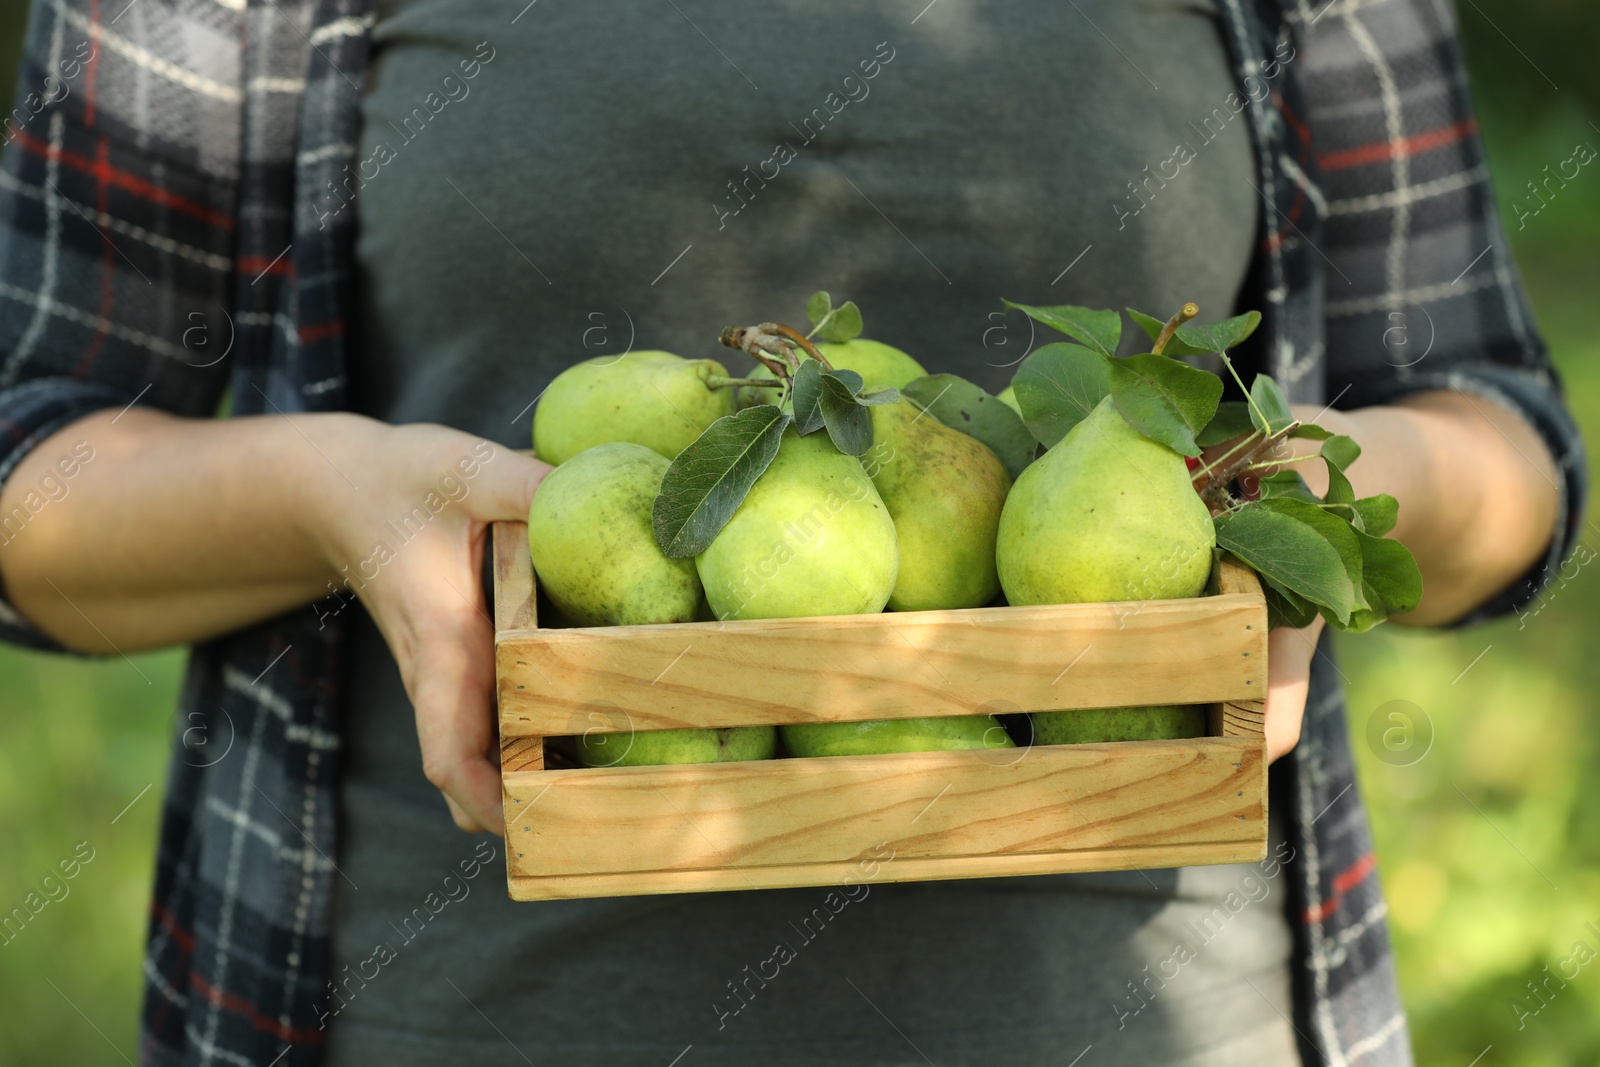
{"x":925,"y":663}
{"x":944,"y":814}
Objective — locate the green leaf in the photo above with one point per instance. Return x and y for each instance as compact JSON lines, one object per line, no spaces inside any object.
{"x":818,"y":306}
{"x":1287,"y":483}
{"x":883,"y":394}
{"x":1231,"y":420}
{"x":1311,"y":432}
{"x":1097,"y":330}
{"x":1164,"y":399}
{"x":807,"y":394}
{"x":849,"y":424}
{"x":1057,"y":386}
{"x":708,"y":481}
{"x":1286,"y":609}
{"x":1216,"y":336}
{"x":1378,"y":513}
{"x":1390,"y":581}
{"x":1290,"y":553}
{"x":851,"y":379}
{"x":1341,"y":451}
{"x":840,"y":324}
{"x":960,"y":405}
{"x":1338,"y":533}
{"x":1269,"y":408}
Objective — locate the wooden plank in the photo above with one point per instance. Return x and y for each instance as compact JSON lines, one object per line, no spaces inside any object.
{"x":1059,"y":798}
{"x":887,"y":666}
{"x":1137,"y":857}
{"x":521,"y":754}
{"x":1242,"y":719}
{"x":1235,"y":577}
{"x":513,"y":577}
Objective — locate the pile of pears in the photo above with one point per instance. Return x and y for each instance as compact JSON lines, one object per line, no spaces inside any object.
{"x":928,"y":518}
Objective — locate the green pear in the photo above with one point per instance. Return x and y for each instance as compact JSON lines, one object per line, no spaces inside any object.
{"x":1105,"y":515}
{"x":880,"y":736}
{"x":944,"y":491}
{"x":1008,"y":397}
{"x":594,"y":548}
{"x":655,"y":748}
{"x":654,"y":399}
{"x":811,"y":538}
{"x":1163,"y":722}
{"x":876,"y":362}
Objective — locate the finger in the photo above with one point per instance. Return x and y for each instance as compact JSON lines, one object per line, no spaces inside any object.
{"x":1289,"y":655}
{"x":455,"y":725}
{"x":462,"y":819}
{"x":505,"y":485}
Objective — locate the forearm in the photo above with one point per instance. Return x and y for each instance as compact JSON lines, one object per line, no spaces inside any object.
{"x":176,"y":531}
{"x":1476,"y":485}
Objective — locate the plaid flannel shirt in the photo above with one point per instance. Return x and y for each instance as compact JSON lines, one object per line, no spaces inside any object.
{"x":159,"y":242}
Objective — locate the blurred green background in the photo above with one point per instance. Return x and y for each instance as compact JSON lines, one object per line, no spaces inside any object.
{"x":1489,"y":844}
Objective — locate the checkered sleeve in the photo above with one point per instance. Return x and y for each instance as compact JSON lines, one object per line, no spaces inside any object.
{"x":117,"y":184}
{"x":1421,"y":291}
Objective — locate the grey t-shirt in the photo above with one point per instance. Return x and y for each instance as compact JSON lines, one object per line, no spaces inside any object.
{"x":546,"y":183}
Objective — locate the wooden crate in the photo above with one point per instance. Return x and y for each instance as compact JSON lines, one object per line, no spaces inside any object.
{"x":580,"y":832}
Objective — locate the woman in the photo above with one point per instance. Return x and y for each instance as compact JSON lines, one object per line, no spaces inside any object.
{"x":363,"y":218}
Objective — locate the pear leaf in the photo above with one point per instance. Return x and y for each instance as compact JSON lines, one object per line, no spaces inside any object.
{"x":1152,"y":326}
{"x":1215,"y":336}
{"x":883,"y":394}
{"x":1269,"y":408}
{"x":1391,"y":583}
{"x":818,"y":306}
{"x":1164,"y":399}
{"x":1336,"y":530}
{"x":1287,"y":483}
{"x":807,"y":393}
{"x":1378,"y":513}
{"x":852,"y":381}
{"x":1097,"y":330}
{"x":1057,"y":386}
{"x":1231,"y":420}
{"x":1286,"y":609}
{"x":840,"y":324}
{"x":1290,"y":554}
{"x":849,"y":424}
{"x":708,"y":481}
{"x":960,"y":405}
{"x":1311,"y":432}
{"x":1341,"y":451}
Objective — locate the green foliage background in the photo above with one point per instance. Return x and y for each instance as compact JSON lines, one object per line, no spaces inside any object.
{"x":1489,"y":845}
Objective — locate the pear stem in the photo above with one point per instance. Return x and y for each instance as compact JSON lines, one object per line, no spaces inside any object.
{"x":1185,"y":313}
{"x":773,"y":345}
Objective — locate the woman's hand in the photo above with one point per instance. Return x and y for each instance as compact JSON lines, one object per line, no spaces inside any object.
{"x":410,"y":542}
{"x":176,"y":530}
{"x":1289,"y":654}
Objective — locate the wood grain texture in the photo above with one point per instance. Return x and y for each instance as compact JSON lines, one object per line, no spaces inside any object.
{"x":887,"y":666}
{"x":1242,"y":719}
{"x":513,"y":577}
{"x":521,"y":754}
{"x":940,"y":814}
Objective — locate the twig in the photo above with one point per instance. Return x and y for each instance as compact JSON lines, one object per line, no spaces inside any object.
{"x":1185,"y":313}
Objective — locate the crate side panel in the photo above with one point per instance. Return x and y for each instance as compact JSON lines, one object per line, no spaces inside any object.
{"x":923,"y":805}
{"x":885,"y":666}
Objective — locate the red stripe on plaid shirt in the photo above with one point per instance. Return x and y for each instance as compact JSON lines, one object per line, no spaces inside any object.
{"x":102,"y":170}
{"x":1383,"y":151}
{"x":257,"y":1021}
{"x":108,"y":265}
{"x":1343,"y":882}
